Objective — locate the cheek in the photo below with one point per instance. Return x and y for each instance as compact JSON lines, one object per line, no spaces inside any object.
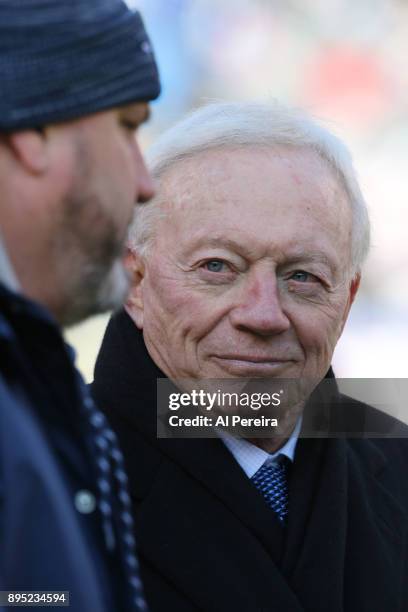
{"x":170,"y":308}
{"x":318,"y":327}
{"x":181,"y":311}
{"x":110,"y":188}
{"x":317,"y":338}
{"x":118,"y":160}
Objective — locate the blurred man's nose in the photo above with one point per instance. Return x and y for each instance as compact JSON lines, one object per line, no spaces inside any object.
{"x":145,"y":189}
{"x":259,"y":310}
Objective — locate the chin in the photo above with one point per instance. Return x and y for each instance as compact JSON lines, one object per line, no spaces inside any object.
{"x":99,"y":291}
{"x":113,"y":290}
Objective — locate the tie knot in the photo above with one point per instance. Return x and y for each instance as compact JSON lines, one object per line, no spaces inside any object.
{"x":271,"y":482}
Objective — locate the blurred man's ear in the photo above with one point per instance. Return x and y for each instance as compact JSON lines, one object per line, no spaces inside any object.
{"x":30,"y":149}
{"x":134,"y":304}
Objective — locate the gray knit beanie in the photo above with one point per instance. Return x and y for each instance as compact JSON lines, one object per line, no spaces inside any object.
{"x":63,"y":59}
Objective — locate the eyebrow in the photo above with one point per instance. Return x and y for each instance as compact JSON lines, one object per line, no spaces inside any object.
{"x":227,"y":243}
{"x":137,"y":115}
{"x":309,"y":256}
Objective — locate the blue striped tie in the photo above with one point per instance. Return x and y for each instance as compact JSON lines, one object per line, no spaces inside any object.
{"x":271,"y":482}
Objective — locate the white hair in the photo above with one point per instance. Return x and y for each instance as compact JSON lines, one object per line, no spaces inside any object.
{"x":238,"y":124}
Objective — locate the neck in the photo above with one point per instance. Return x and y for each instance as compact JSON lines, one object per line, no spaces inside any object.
{"x":282,"y":433}
{"x":269,"y":445}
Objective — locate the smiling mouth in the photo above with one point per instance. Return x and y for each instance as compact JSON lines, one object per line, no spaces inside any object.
{"x":251,"y":364}
{"x":252,"y":359}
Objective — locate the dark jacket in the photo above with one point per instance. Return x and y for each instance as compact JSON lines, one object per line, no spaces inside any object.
{"x":45,"y":542}
{"x":209,"y":542}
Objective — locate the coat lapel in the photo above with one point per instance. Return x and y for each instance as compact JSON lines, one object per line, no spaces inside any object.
{"x":343,"y":554}
{"x":210,"y":463}
{"x":377,"y":532}
{"x":205,"y":527}
{"x":315,"y":551}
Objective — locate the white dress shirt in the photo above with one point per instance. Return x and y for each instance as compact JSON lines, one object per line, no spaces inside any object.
{"x":7,"y":275}
{"x":251,"y":457}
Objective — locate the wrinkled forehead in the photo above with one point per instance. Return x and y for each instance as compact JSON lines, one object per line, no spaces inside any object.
{"x":280,"y":204}
{"x":251,"y":177}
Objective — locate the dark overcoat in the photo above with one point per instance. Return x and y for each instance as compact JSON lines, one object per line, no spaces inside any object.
{"x":47,"y":541}
{"x":207,"y":540}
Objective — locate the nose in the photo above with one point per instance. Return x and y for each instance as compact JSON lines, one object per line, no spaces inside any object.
{"x":260,"y":310}
{"x":144,"y":183}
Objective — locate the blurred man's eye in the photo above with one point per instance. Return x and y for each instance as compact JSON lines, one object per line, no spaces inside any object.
{"x":129,"y":125}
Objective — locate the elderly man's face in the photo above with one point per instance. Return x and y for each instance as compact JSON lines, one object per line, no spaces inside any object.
{"x":248,"y":275}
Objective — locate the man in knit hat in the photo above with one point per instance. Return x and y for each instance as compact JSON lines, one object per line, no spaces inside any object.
{"x":76,"y":77}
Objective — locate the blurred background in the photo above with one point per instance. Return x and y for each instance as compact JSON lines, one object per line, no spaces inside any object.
{"x":346,"y":61}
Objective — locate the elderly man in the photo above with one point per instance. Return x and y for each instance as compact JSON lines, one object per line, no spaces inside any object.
{"x":245,"y":266}
{"x":76,"y":77}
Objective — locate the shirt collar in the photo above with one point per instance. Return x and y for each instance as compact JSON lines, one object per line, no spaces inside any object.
{"x":7,"y":274}
{"x":251,"y":457}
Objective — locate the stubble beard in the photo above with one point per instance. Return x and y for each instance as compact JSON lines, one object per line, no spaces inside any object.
{"x":96,"y":292}
{"x":88,"y":254}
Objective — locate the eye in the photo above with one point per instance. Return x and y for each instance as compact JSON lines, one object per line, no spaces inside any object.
{"x":215,"y":265}
{"x":303,"y":277}
{"x":130,"y":126}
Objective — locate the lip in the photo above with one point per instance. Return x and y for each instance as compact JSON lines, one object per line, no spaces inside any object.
{"x":252,"y":358}
{"x":252,"y":365}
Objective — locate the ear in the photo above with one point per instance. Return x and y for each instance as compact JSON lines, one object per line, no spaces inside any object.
{"x":30,"y":149}
{"x":134,"y":304}
{"x":354,"y":285}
